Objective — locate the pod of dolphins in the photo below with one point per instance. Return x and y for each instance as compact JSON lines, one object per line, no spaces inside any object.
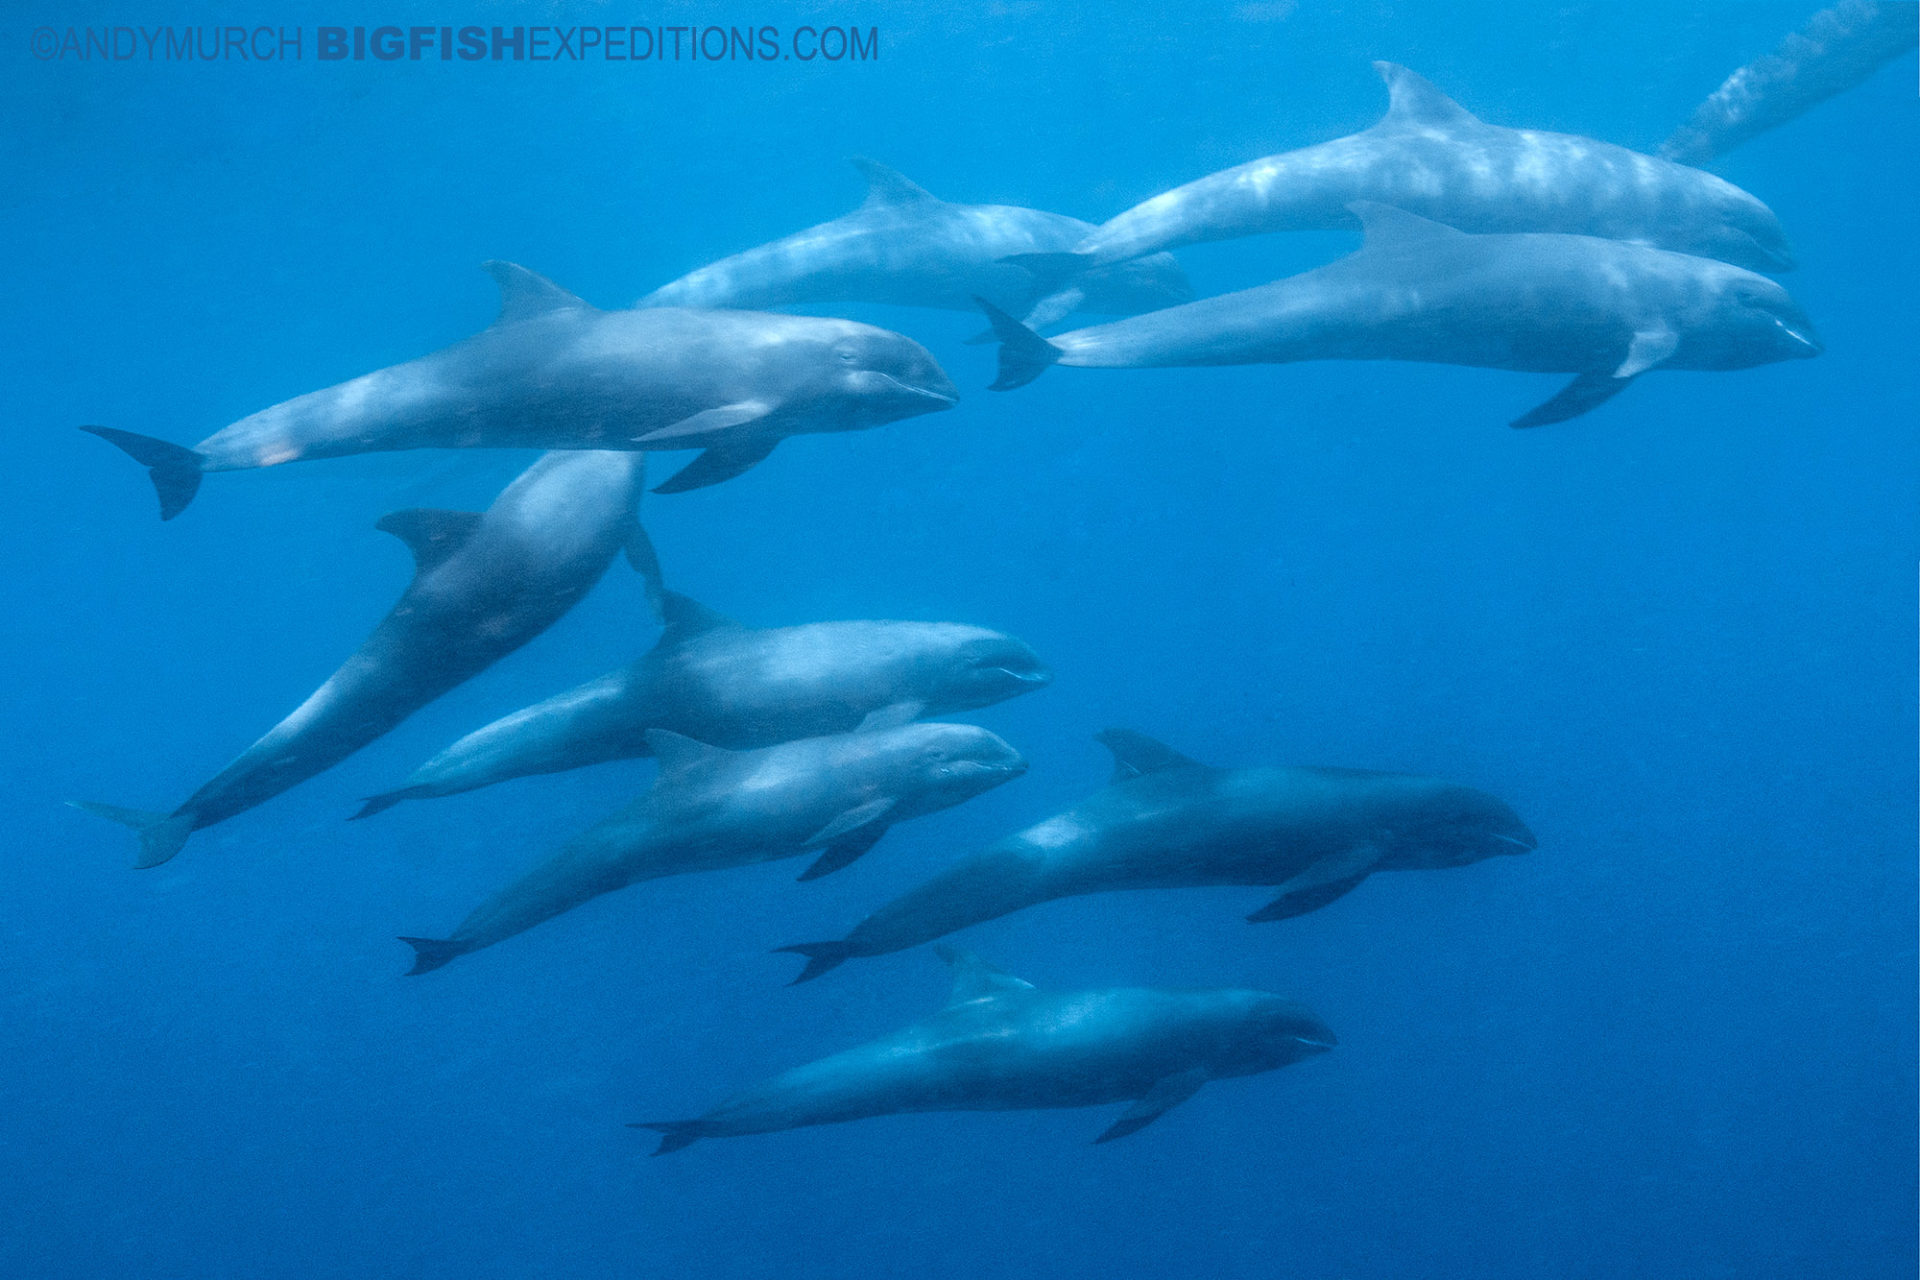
{"x":1484,"y":246}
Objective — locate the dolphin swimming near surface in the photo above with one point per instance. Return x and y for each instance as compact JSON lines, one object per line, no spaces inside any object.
{"x":484,"y":584}
{"x":717,"y":682}
{"x":1603,"y":310}
{"x":1000,"y":1044}
{"x":711,"y":809}
{"x":553,"y":372}
{"x":1836,"y":50}
{"x":1432,"y":157}
{"x":908,"y":247}
{"x":1167,"y":822}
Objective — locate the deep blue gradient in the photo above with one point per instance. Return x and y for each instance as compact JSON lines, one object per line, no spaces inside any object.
{"x":1677,"y":635}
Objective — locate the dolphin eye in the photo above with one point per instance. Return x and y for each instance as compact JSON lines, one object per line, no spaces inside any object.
{"x":846,"y":355}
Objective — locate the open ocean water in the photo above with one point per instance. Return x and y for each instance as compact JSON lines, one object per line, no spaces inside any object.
{"x":1677,"y":1040}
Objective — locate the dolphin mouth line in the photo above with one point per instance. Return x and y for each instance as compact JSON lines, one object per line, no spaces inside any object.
{"x":930,"y":394}
{"x":1028,"y":677}
{"x":1526,"y":845}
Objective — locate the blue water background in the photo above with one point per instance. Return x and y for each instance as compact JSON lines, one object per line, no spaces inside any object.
{"x":1677,"y":1041}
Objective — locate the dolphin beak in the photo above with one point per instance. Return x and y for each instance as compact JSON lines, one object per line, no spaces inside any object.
{"x":942,"y":392}
{"x":1808,"y":343}
{"x":1039,"y":677}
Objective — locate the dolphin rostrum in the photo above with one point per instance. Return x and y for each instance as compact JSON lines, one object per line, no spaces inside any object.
{"x":553,"y":372}
{"x":1430,"y":156}
{"x":1603,"y":310}
{"x":1166,"y":822}
{"x":484,"y":584}
{"x":715,"y":681}
{"x":908,"y":247}
{"x":1003,"y":1045}
{"x":711,"y":809}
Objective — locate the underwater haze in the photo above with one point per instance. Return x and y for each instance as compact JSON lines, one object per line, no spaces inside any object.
{"x":1677,"y":635}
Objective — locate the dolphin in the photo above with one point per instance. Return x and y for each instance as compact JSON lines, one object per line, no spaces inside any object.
{"x":710,"y":809}
{"x":1166,"y":822}
{"x":1603,"y":310}
{"x":1836,"y":50}
{"x":484,"y":584}
{"x":1432,"y":157}
{"x":715,"y":681}
{"x":909,"y":247}
{"x":1002,"y":1045}
{"x":553,"y":372}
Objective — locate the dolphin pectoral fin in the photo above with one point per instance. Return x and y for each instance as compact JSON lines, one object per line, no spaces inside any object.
{"x":385,"y":801}
{"x":676,"y":1135}
{"x":161,"y":834}
{"x":705,"y":423}
{"x":1588,"y":391}
{"x":1648,"y":348}
{"x":721,"y":462}
{"x":174,"y":469}
{"x":646,"y":562}
{"x":1298,"y":902}
{"x":431,"y":953}
{"x":892,"y":716}
{"x":430,"y":533}
{"x":1167,"y":1093}
{"x":678,"y":753}
{"x":1057,"y":305}
{"x":843,"y":852}
{"x":686,"y":617}
{"x":852,"y":820}
{"x":821,"y":957}
{"x":1024,"y":354}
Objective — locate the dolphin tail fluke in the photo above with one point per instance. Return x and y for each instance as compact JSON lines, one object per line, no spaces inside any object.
{"x":175,"y":469}
{"x":431,"y":953}
{"x":822,"y":957}
{"x":1024,"y":354}
{"x":161,"y":834}
{"x":675,"y":1135}
{"x":385,"y":801}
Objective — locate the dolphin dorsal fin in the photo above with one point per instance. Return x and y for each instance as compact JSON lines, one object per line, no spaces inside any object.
{"x":685,"y":617}
{"x":887,"y":185}
{"x":430,"y":533}
{"x":678,"y":753}
{"x":1412,"y":100}
{"x":1386,"y":226}
{"x":525,"y":294}
{"x":975,"y":979}
{"x":1135,"y":754}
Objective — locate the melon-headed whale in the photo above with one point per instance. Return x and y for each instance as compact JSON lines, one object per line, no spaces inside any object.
{"x":710,"y":809}
{"x":1167,"y":822}
{"x":1000,"y":1044}
{"x":1603,"y":310}
{"x":715,"y":681}
{"x":484,"y":584}
{"x":553,"y":372}
{"x":1432,"y":157}
{"x":1836,"y":50}
{"x":908,"y":247}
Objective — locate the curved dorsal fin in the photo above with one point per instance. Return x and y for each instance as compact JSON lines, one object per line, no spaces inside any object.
{"x":678,"y":753}
{"x":1412,"y":99}
{"x":1386,"y":225}
{"x":1135,"y":754}
{"x":684,"y":616}
{"x":430,"y":533}
{"x":887,"y":185}
{"x":525,"y":294}
{"x":974,"y":978}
